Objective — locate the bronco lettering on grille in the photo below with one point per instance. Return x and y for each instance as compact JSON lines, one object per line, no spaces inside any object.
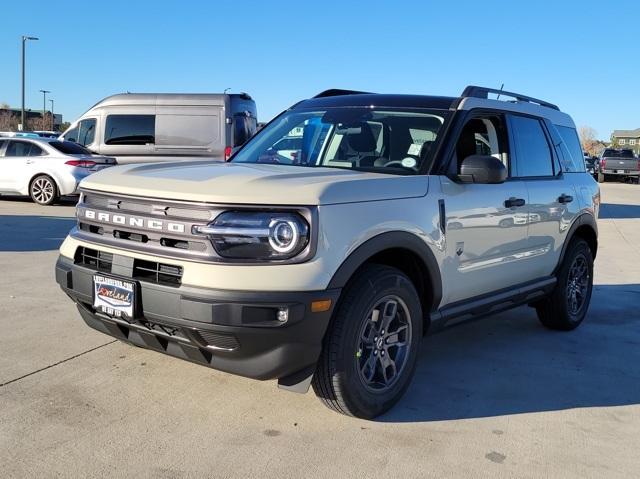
{"x":133,"y":221}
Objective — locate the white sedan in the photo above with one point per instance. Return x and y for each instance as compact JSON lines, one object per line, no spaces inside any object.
{"x":45,"y":168}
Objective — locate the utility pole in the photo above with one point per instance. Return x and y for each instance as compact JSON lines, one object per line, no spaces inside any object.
{"x":53,"y":118}
{"x":22,"y":118}
{"x":44,"y":107}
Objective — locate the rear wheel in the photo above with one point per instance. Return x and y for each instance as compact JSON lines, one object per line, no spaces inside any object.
{"x":370,"y":350}
{"x":43,"y":190}
{"x":567,"y":306}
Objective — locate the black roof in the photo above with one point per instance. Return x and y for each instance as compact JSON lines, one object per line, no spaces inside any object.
{"x":379,"y":99}
{"x":339,"y":97}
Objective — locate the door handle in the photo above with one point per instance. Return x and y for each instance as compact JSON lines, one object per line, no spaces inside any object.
{"x":565,"y":198}
{"x":513,"y":202}
{"x":29,"y":162}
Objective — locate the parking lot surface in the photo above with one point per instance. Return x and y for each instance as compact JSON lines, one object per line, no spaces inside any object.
{"x":500,"y":397}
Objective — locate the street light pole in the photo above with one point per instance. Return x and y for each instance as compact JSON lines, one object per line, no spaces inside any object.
{"x":24,"y":40}
{"x":44,"y":106}
{"x":53,"y":118}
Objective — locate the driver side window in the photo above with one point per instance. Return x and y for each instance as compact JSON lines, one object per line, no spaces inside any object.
{"x":483,"y":135}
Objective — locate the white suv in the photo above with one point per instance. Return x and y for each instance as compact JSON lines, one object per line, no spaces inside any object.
{"x":398,"y":214}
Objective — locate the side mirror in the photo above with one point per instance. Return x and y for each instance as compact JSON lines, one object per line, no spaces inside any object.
{"x":482,"y":169}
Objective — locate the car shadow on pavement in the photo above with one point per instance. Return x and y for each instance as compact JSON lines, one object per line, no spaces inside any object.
{"x":617,"y":211}
{"x":62,"y":201}
{"x":33,"y":233}
{"x":509,"y":364}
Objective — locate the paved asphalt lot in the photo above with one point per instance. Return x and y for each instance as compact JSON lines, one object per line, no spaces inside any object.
{"x":501,"y":397}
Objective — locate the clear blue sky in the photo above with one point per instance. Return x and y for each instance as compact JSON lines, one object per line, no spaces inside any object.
{"x":582,"y":55}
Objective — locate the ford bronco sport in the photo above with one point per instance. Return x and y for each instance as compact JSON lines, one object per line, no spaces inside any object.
{"x":326,"y":265}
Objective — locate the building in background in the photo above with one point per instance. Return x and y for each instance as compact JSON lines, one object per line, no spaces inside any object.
{"x":626,"y":139}
{"x":10,"y":118}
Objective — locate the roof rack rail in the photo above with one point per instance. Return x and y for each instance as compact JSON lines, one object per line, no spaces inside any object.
{"x":339,"y":92}
{"x":483,"y":92}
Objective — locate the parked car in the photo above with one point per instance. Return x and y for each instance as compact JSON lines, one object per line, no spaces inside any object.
{"x":620,"y":164}
{"x":144,"y":127}
{"x":47,"y":134}
{"x":327,"y":271}
{"x":45,"y":169}
{"x":19,"y":134}
{"x":591,"y":163}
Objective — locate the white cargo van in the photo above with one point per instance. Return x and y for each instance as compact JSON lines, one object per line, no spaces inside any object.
{"x":143,"y":127}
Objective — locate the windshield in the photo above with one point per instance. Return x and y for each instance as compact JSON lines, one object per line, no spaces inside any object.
{"x":385,"y":140}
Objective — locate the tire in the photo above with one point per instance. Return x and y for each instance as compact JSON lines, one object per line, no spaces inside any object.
{"x":43,"y":190}
{"x":559,"y":311}
{"x":345,"y":380}
{"x":602,"y":178}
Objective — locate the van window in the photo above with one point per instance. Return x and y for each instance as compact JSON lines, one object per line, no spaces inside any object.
{"x":244,"y":127}
{"x":192,"y":130}
{"x":130,"y":129}
{"x":86,"y":131}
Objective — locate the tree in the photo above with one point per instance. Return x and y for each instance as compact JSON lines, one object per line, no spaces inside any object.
{"x":590,"y":144}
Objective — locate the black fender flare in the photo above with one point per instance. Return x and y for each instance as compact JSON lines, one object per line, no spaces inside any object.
{"x":585,"y":219}
{"x":391,"y":240}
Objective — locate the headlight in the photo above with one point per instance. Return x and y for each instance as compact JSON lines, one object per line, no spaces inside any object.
{"x":257,"y":235}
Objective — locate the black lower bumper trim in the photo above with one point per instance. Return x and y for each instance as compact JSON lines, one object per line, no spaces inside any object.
{"x":235,"y":332}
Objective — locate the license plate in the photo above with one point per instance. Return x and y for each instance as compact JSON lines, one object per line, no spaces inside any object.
{"x":620,"y":171}
{"x":113,"y":296}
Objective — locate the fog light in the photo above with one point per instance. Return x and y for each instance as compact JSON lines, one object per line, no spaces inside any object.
{"x":283,"y":315}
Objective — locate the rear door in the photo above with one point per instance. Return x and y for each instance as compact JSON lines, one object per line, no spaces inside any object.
{"x":551,"y":209}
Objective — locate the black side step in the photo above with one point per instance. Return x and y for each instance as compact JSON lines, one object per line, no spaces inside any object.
{"x":491,"y":303}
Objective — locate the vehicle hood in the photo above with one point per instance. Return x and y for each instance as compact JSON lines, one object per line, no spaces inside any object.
{"x":245,"y":183}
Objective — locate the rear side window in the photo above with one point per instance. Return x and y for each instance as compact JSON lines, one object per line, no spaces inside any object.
{"x":533,"y":154}
{"x":572,"y":157}
{"x":130,"y":129}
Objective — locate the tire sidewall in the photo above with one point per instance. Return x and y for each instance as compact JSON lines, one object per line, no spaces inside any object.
{"x":357,"y":397}
{"x":55,"y":190}
{"x":579,"y":248}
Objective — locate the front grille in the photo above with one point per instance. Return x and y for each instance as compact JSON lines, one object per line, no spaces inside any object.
{"x":110,"y":203}
{"x":94,"y":259}
{"x":147,"y":271}
{"x":219,"y":340}
{"x":157,"y":272}
{"x":155,"y":226}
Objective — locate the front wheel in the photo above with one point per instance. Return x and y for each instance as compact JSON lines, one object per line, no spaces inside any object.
{"x":567,"y":306}
{"x":370,"y":350}
{"x":43,"y":190}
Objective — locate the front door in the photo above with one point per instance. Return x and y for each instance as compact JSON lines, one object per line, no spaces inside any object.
{"x":15,"y":165}
{"x":486,"y":224}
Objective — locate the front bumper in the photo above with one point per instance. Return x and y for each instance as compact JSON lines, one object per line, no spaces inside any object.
{"x":235,"y":332}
